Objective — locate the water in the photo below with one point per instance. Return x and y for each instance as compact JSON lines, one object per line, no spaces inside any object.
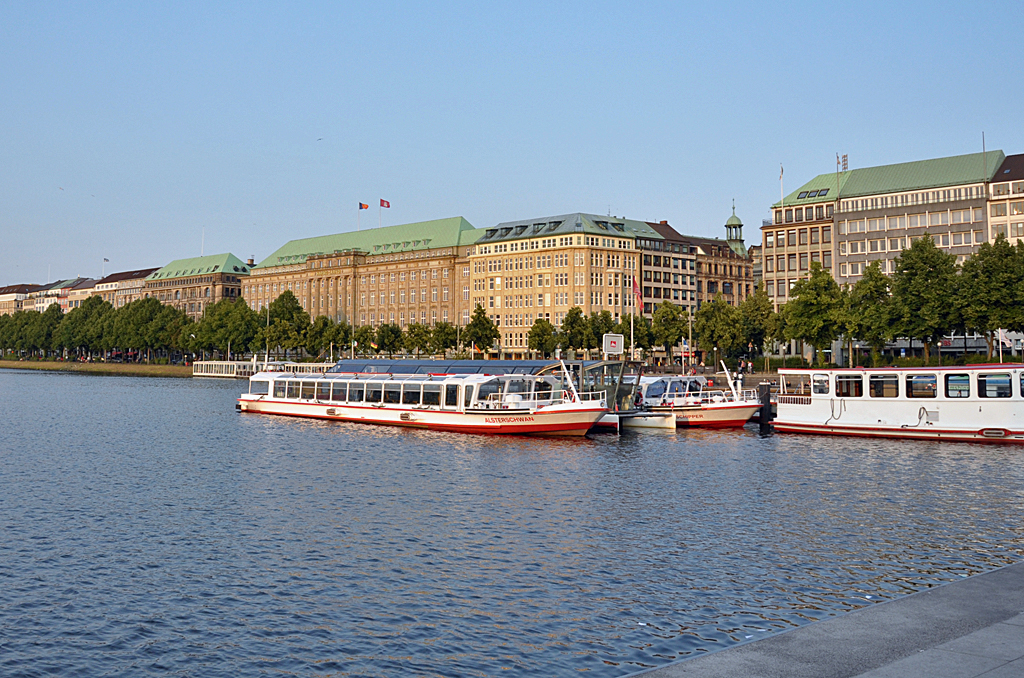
{"x":148,"y":529}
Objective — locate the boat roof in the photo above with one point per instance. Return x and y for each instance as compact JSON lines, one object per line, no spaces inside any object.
{"x":386,"y":376}
{"x":495,"y":367}
{"x":934,"y":368}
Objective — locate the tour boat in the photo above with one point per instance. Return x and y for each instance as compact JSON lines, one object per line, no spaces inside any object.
{"x":695,"y":402}
{"x":517,"y":404}
{"x":979,"y":403}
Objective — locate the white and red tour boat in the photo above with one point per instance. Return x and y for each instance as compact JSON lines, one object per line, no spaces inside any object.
{"x":517,"y":404}
{"x":980,"y":403}
{"x":695,"y":402}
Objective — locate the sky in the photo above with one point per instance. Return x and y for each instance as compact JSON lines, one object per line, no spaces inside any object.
{"x":147,"y":132}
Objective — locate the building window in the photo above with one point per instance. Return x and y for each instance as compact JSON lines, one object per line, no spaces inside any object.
{"x":789,"y":216}
{"x":826,"y":234}
{"x":803,"y":236}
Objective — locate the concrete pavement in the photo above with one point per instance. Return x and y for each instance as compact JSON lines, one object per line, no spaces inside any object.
{"x":972,"y":627}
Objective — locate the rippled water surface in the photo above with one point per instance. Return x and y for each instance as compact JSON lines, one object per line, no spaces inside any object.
{"x":148,"y":529}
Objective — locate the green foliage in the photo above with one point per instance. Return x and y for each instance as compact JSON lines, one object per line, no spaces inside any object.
{"x":669,"y":326}
{"x":542,"y":337}
{"x":319,"y":336}
{"x":364,"y":336}
{"x":758,"y":320}
{"x":992,"y":290}
{"x":601,"y":324}
{"x":643,"y":336}
{"x":868,"y":309}
{"x":813,"y":313}
{"x":443,"y":337}
{"x":718,"y":324}
{"x":923,"y":286}
{"x":417,"y":338}
{"x":481,"y":331}
{"x":576,"y":333}
{"x":389,"y":338}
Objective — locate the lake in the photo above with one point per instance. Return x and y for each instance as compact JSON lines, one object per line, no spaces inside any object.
{"x":148,"y":528}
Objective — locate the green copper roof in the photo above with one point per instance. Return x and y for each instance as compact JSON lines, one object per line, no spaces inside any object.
{"x":905,"y":176}
{"x":568,"y":224}
{"x":214,"y":263}
{"x":733,"y":220}
{"x":423,"y":235}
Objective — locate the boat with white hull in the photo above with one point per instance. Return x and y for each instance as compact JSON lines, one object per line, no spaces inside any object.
{"x":695,"y":402}
{"x":980,"y":403}
{"x":516,"y":404}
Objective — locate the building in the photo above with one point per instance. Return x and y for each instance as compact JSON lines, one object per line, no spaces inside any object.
{"x":1006,"y":200}
{"x":78,"y":294}
{"x":12,"y":297}
{"x":118,"y":289}
{"x":668,"y":269}
{"x":191,"y":285}
{"x":847,"y":220}
{"x":523,"y":271}
{"x":410,"y":273}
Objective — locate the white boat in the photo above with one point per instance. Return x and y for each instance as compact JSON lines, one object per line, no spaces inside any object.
{"x":696,"y":402}
{"x":518,"y":404}
{"x":980,"y":403}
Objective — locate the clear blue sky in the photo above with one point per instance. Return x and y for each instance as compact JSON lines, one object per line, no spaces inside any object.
{"x":126,"y":129}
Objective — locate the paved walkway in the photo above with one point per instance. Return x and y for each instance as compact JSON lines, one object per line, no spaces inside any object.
{"x":973,"y":627}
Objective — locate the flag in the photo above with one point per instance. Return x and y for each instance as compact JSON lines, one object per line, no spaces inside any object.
{"x":780,"y":172}
{"x":636,"y":292}
{"x":106,"y":261}
{"x":363,"y":206}
{"x":373,"y":345}
{"x":384,"y":203}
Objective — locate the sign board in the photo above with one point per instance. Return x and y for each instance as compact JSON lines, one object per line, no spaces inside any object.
{"x":613,"y":344}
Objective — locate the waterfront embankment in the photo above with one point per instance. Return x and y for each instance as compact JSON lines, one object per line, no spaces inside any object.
{"x":103,"y":369}
{"x":973,"y":627}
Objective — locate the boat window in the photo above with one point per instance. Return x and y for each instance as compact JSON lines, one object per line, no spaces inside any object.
{"x":259,"y":387}
{"x":373,"y":393}
{"x":676,"y":387}
{"x":922,"y":386}
{"x":542,"y":390}
{"x":518,"y":386}
{"x":279,"y":389}
{"x":431,"y":394}
{"x":355,"y":392}
{"x":994,"y":385}
{"x":469,"y":396}
{"x":819,"y":383}
{"x":694,"y":386}
{"x":411,"y":394}
{"x":323,"y":390}
{"x":451,"y":395}
{"x":849,"y":386}
{"x":293,"y":389}
{"x":338,"y":392}
{"x":393,"y":394}
{"x":657,"y":389}
{"x":308,"y":389}
{"x":958,"y":386}
{"x":487,"y":389}
{"x":884,"y":386}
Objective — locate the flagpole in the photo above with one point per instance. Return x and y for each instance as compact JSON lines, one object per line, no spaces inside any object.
{"x":380,"y":211}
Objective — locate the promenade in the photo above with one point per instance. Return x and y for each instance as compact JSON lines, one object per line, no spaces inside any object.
{"x":973,"y":627}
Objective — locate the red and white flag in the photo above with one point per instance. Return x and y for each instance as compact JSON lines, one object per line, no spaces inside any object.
{"x":384,"y":203}
{"x":636,"y":292}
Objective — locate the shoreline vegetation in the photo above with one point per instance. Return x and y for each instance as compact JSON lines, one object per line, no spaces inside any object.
{"x":101,"y":369}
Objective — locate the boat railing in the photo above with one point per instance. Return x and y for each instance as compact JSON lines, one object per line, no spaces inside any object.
{"x":784,"y":399}
{"x":532,"y":401}
{"x":708,"y":397}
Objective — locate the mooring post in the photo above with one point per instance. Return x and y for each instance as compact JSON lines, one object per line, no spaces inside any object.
{"x":764,"y":394}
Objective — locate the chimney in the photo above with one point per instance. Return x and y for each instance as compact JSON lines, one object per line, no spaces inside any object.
{"x":251,"y":261}
{"x":664,"y":222}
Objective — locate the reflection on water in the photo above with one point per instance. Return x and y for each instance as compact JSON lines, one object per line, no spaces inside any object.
{"x":149,"y":528}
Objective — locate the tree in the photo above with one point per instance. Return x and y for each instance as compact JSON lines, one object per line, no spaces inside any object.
{"x":868,"y":311}
{"x":342,"y":336}
{"x":757,"y":320}
{"x":601,"y":324}
{"x":288,"y":323}
{"x":812,"y":312}
{"x":922,"y":289}
{"x":319,"y":335}
{"x":364,"y":336}
{"x":668,"y":326}
{"x":443,"y":337}
{"x":481,"y":331}
{"x":389,"y":338}
{"x":417,"y":338}
{"x":576,"y":332}
{"x":718,"y":324}
{"x":991,"y":289}
{"x":642,"y":335}
{"x":542,"y":337}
